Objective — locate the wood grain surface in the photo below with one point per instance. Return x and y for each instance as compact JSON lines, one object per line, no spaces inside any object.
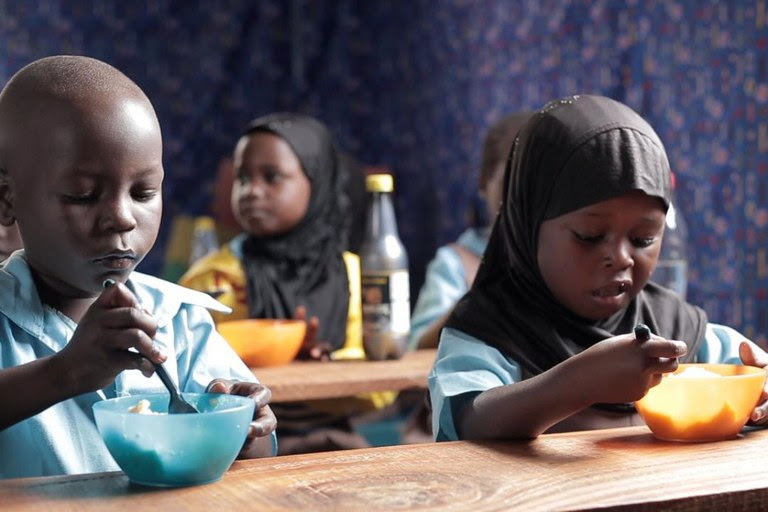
{"x":312,"y":380}
{"x":617,"y":469}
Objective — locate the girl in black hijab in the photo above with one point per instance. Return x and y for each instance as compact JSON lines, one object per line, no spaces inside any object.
{"x":294,"y":200}
{"x":287,"y":266}
{"x":542,"y":334}
{"x":291,"y":196}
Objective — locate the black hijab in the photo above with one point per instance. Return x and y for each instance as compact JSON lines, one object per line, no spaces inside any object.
{"x":575,"y":152}
{"x":305,"y":266}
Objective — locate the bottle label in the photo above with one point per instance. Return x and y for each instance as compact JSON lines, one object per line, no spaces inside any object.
{"x":386,"y":303}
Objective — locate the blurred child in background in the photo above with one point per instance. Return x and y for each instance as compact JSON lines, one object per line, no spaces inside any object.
{"x":450,"y":274}
{"x":291,"y":198}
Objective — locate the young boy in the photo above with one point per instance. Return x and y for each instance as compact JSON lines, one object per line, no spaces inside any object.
{"x":81,"y":174}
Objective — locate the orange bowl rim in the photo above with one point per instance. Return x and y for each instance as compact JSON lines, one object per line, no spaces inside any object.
{"x":750,"y":371}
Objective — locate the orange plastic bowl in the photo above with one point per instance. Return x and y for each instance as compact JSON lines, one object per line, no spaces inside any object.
{"x":690,"y":405}
{"x":263,"y":341}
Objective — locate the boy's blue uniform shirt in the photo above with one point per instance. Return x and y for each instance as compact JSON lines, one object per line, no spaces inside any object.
{"x":63,"y":439}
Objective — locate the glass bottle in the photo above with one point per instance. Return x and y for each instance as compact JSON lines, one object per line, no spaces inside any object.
{"x":204,"y":239}
{"x":385,"y":283}
{"x":672,"y":269}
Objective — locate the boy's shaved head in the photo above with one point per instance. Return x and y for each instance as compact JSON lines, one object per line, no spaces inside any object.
{"x":53,"y":90}
{"x":80,"y":172}
{"x":69,"y":76}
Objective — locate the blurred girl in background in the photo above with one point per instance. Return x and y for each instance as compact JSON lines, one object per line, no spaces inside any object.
{"x":291,"y":196}
{"x":451,"y":272}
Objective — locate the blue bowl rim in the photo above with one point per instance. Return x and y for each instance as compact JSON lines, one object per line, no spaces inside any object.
{"x":104,"y":405}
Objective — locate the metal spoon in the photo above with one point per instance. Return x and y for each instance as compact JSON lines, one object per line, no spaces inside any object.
{"x":177,"y":405}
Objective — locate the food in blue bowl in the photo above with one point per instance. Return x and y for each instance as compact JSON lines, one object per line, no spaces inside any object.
{"x":159,"y":449}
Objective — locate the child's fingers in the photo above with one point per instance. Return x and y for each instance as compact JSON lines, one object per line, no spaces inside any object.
{"x":312,"y":326}
{"x":752,"y":357}
{"x":662,"y":365}
{"x":125,"y":360}
{"x":746,"y":355}
{"x":655,"y":380}
{"x":222,"y":386}
{"x":265,"y":421}
{"x":128,"y":317}
{"x":261,"y":394}
{"x":264,"y":424}
{"x":759,"y":414}
{"x":125,"y":339}
{"x":664,"y":348}
{"x":117,"y":295}
{"x":131,"y":326}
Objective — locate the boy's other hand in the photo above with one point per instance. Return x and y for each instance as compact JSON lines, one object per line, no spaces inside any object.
{"x":752,"y":355}
{"x":257,"y":442}
{"x":115,"y":334}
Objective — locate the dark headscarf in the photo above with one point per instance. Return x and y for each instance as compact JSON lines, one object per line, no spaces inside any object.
{"x":305,"y":266}
{"x":573,"y":153}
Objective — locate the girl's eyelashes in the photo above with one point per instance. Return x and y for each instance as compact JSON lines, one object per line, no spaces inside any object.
{"x":586,"y":238}
{"x":643,"y":242}
{"x":79,"y":198}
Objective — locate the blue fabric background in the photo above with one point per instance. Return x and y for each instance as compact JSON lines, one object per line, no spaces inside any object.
{"x":411,"y":85}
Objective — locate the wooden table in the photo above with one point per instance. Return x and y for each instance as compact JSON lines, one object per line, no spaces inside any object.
{"x":311,"y":380}
{"x":624,"y":469}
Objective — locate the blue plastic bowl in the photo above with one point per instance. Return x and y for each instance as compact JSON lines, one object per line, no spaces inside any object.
{"x":172,"y":450}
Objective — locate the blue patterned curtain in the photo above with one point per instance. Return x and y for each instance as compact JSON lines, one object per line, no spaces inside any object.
{"x":412,"y":85}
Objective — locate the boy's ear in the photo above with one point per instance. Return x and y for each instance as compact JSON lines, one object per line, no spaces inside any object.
{"x":7,"y":199}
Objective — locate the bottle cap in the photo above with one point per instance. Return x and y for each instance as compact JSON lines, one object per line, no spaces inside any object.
{"x":204,"y":223}
{"x":379,"y":183}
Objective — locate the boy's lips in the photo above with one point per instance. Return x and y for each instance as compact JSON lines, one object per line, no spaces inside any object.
{"x":117,"y":260}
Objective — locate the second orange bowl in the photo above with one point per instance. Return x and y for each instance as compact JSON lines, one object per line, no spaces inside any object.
{"x":263,"y":341}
